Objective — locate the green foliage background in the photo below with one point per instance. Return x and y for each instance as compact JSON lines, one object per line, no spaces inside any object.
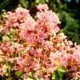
{"x":68,"y":13}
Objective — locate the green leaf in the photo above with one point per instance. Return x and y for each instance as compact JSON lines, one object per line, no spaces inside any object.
{"x":5,"y":38}
{"x":40,"y":1}
{"x":18,"y":73}
{"x":29,"y":78}
{"x":47,"y":1}
{"x":37,"y":1}
{"x":53,"y":76}
{"x":62,"y":70}
{"x":24,"y":3}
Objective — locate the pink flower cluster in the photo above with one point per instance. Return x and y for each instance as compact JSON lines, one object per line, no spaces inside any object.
{"x":38,"y":46}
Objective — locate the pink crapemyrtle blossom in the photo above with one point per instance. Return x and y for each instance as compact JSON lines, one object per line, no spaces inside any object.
{"x":16,"y":18}
{"x":6,"y":48}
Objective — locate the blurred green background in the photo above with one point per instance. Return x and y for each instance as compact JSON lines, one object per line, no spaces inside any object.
{"x":67,"y":10}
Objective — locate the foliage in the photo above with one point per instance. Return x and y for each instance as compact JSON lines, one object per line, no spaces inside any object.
{"x":59,"y":74}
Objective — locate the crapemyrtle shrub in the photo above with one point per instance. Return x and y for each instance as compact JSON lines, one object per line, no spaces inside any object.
{"x":35,"y":49}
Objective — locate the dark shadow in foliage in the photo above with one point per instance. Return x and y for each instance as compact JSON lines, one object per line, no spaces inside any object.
{"x":8,"y":4}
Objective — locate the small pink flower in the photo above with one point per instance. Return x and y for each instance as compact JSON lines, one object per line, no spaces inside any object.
{"x":7,"y":26}
{"x":7,"y":48}
{"x":76,"y":75}
{"x":42,"y":7}
{"x":41,"y":36}
{"x":21,"y":10}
